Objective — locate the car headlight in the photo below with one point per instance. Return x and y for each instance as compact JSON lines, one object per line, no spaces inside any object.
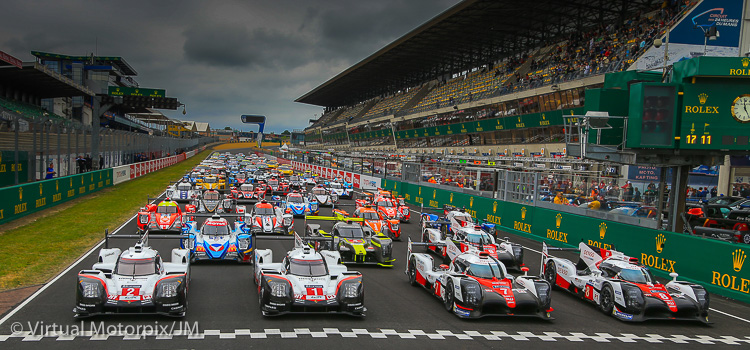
{"x":168,"y":289}
{"x":633,"y":297}
{"x":143,"y":219}
{"x":287,"y":221}
{"x":472,"y":292}
{"x":351,"y":290}
{"x":244,"y":243}
{"x":90,"y":289}
{"x":314,"y":206}
{"x":278,"y":289}
{"x":518,"y":252}
{"x":394,"y":227}
{"x":386,"y":248}
{"x":405,"y":211}
{"x":543,"y":292}
{"x":701,"y":296}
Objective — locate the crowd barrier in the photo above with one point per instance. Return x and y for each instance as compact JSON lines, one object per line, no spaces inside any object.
{"x":359,"y":181}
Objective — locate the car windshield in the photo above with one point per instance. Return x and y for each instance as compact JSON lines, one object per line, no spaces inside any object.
{"x":295,"y":199}
{"x":369,"y":215}
{"x":273,"y":182}
{"x":264,"y":211}
{"x":241,"y":175}
{"x":385,"y":204}
{"x":210,"y":180}
{"x":166,"y":209}
{"x":293,"y":178}
{"x":246,"y":187}
{"x":136,"y":267}
{"x":335,"y":185}
{"x":351,"y":232}
{"x":401,"y":201}
{"x":215,"y":229}
{"x":478,"y":239}
{"x":485,"y":270}
{"x":319,"y":191}
{"x":184,"y":187}
{"x":307,"y":268}
{"x":211,"y":196}
{"x":640,"y":275}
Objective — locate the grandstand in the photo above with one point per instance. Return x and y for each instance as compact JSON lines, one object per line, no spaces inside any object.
{"x":465,"y":66}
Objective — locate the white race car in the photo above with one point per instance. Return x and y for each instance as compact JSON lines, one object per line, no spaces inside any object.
{"x":477,"y":285}
{"x":622,"y":287}
{"x":307,"y":281}
{"x":324,"y":197}
{"x":134,"y":281}
{"x":339,"y":190}
{"x":182,"y":191}
{"x":265,"y":218}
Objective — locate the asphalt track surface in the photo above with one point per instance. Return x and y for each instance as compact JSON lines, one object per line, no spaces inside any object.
{"x":223,"y":313}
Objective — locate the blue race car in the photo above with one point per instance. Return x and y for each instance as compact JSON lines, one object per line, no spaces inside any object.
{"x":299,"y":205}
{"x":217,"y":240}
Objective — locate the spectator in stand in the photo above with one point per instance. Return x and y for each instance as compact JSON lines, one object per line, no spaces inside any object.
{"x":559,"y":199}
{"x":81,"y":163}
{"x":637,"y":195}
{"x":89,"y":162}
{"x":713,"y":192}
{"x":101,"y":161}
{"x":50,"y":171}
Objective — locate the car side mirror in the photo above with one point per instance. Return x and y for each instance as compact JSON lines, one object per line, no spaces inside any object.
{"x":443,"y":266}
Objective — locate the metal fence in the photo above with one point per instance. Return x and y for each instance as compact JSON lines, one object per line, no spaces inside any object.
{"x":60,"y":141}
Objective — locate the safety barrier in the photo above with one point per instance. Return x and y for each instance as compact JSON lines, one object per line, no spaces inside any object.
{"x":360,"y":181}
{"x":20,"y":200}
{"x":715,"y":264}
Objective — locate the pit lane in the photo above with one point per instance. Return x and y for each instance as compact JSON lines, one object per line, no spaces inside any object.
{"x":223,"y":303}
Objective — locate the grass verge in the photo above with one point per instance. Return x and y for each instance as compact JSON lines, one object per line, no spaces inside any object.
{"x":34,"y":253}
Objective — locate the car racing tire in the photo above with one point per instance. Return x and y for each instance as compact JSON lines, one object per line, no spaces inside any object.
{"x":550,"y":273}
{"x":607,"y":300}
{"x":448,"y":297}
{"x":412,"y":272}
{"x":746,"y":238}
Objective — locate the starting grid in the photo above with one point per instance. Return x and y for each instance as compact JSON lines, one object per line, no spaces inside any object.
{"x":393,"y":334}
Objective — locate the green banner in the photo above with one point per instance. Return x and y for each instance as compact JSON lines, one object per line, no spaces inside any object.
{"x":8,"y":167}
{"x":663,"y":252}
{"x":28,"y":198}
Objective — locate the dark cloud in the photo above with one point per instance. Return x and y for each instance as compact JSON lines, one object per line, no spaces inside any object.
{"x":221,"y":58}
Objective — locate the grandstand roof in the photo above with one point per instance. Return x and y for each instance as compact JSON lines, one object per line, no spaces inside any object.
{"x":116,"y":61}
{"x":467,"y":35}
{"x":39,"y":81}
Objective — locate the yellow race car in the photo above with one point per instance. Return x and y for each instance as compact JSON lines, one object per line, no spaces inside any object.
{"x":211,"y":183}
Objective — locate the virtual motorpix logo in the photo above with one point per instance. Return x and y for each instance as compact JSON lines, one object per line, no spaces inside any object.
{"x":90,"y":329}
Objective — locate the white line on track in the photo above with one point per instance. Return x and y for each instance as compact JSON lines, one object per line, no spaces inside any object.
{"x":712,"y":309}
{"x":74,"y":264}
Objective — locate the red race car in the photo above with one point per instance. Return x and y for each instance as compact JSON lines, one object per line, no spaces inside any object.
{"x":166,"y":216}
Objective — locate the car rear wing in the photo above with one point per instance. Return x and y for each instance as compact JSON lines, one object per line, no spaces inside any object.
{"x":451,"y":249}
{"x":142,"y":237}
{"x":299,"y":242}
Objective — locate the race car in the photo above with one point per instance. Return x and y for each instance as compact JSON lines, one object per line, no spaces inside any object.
{"x":134,"y":281}
{"x":240,"y":178}
{"x":265,"y":218}
{"x":372,"y":218}
{"x":299,"y":205}
{"x":357,"y":244}
{"x":323,"y":196}
{"x":218,"y":240}
{"x":181,"y":191}
{"x":277,"y":186}
{"x":475,"y":285}
{"x":307,"y":281}
{"x":403,"y":209}
{"x":365,"y":200}
{"x":339,"y":189}
{"x":245,"y":192}
{"x":165,"y":216}
{"x":194,"y":176}
{"x":286,"y":170}
{"x":472,"y":237}
{"x":296,"y":184}
{"x":386,"y":208}
{"x":310,"y":179}
{"x":260,"y":191}
{"x":211,"y":201}
{"x":210,"y":183}
{"x":620,"y":286}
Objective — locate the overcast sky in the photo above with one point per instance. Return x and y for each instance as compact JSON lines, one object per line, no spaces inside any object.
{"x":221,"y":58}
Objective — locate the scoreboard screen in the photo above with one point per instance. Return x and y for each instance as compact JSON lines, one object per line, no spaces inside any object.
{"x":716,"y":116}
{"x":247,"y":118}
